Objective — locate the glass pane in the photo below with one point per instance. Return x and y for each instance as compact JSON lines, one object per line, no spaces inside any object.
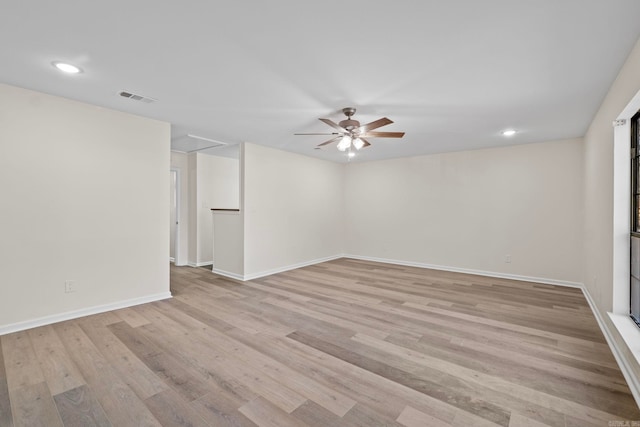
{"x":636,"y":219}
{"x":635,"y":168}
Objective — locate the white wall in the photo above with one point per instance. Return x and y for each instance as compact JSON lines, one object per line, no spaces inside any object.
{"x":228,"y":244}
{"x":293,"y":209}
{"x":468,"y":210}
{"x":84,"y":197}
{"x":218,"y":186}
{"x":173,"y":217}
{"x":598,"y":189}
{"x":192,"y":172}
{"x":598,"y":178}
{"x":179,"y":161}
{"x":220,"y":181}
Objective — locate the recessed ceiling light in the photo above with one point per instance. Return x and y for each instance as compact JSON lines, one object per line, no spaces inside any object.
{"x":67,"y":68}
{"x":508,"y":132}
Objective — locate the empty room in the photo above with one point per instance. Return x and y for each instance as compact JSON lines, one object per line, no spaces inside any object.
{"x":340,"y":213}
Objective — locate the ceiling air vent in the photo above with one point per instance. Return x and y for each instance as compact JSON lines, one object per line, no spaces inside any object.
{"x":136,"y":97}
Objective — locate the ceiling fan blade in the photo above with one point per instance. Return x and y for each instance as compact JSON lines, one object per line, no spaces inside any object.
{"x":332,"y":133}
{"x":375,"y":125}
{"x":333,"y":125}
{"x":384,"y":134}
{"x":329,"y":141}
{"x":366,"y":143}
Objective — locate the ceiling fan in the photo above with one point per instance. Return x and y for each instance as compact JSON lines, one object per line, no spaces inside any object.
{"x":352,"y":134}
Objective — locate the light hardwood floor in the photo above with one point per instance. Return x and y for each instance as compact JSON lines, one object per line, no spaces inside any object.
{"x":343,"y":343}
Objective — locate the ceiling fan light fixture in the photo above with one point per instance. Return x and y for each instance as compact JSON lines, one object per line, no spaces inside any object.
{"x":344,"y":143}
{"x":350,"y":135}
{"x":351,"y":154}
{"x":509,"y":132}
{"x":358,"y":143}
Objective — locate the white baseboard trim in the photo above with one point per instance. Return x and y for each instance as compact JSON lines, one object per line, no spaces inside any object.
{"x":252,"y":276}
{"x":55,"y":318}
{"x":521,"y":278}
{"x":290,"y":267}
{"x":199,"y":264}
{"x":469,"y":271}
{"x":228,"y":274}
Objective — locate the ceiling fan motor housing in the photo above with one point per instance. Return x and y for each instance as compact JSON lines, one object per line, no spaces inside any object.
{"x":351,"y":134}
{"x":349,"y":124}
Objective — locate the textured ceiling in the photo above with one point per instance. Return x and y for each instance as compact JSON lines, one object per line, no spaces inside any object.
{"x":450,"y":73}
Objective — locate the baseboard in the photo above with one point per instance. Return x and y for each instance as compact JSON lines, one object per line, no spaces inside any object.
{"x":55,"y":318}
{"x":521,"y":278}
{"x":228,"y":274}
{"x":518,"y":277}
{"x":199,"y":264}
{"x":290,"y":267}
{"x":252,"y":276}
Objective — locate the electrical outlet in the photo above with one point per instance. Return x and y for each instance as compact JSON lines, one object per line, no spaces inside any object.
{"x":69,"y":286}
{"x":507,"y":259}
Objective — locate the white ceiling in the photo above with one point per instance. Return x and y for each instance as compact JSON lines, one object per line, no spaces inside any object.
{"x":450,"y":73}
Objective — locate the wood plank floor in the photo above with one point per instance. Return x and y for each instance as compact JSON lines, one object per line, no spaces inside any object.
{"x":343,"y":343}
